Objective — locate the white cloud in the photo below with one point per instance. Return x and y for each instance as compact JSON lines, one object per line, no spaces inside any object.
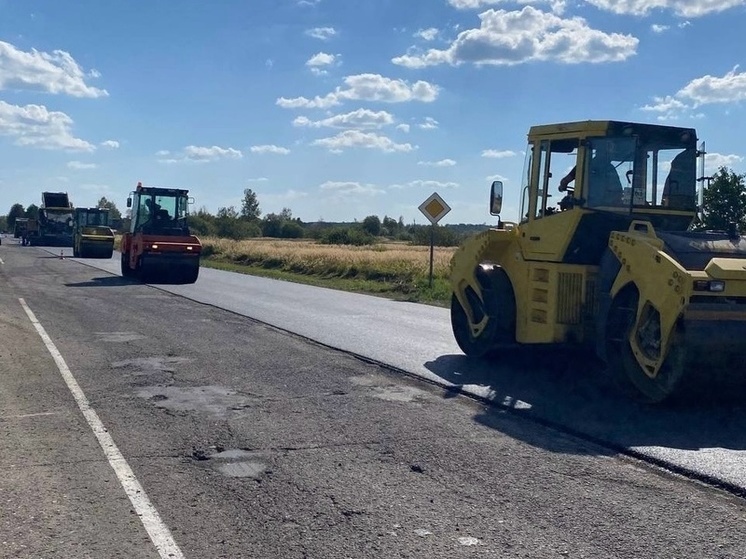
{"x":277,"y":150}
{"x":659,"y":28}
{"x":367,"y":87}
{"x":429,"y":34}
{"x":429,"y":124}
{"x":403,"y":127}
{"x":498,"y":154}
{"x":441,"y":163}
{"x":79,"y":165}
{"x":730,"y":88}
{"x":258,"y":179}
{"x":213,"y":153}
{"x":111,"y":144}
{"x":322,"y":33}
{"x":713,"y":162}
{"x":683,"y":8}
{"x":35,"y":126}
{"x":558,"y":6}
{"x":282,"y":197}
{"x":428,"y":184}
{"x":319,"y":60}
{"x":309,"y":3}
{"x":508,"y":38}
{"x":361,"y":118}
{"x":350,"y":187}
{"x":55,"y":72}
{"x":199,"y":154}
{"x":493,"y":178}
{"x":358,"y":139}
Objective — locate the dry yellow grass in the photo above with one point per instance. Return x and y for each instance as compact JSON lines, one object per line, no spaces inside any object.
{"x":389,"y":260}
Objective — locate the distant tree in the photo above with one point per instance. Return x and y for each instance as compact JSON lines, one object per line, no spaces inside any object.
{"x":201,"y":225}
{"x":114,"y":212}
{"x":272,"y":225}
{"x":372,"y":225}
{"x":16,"y":211}
{"x":725,"y":201}
{"x":250,"y":205}
{"x":389,"y":226}
{"x":227,"y":213}
{"x":292,"y":230}
{"x":444,"y":236}
{"x":32,"y":212}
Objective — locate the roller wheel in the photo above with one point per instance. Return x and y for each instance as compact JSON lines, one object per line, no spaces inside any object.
{"x":190,"y":275}
{"x":624,"y":369}
{"x":499,"y":309}
{"x":127,"y":272}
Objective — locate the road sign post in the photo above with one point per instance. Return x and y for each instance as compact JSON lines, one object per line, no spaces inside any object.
{"x":434,"y":208}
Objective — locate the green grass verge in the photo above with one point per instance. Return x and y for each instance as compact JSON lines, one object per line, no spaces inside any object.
{"x":417,"y":291}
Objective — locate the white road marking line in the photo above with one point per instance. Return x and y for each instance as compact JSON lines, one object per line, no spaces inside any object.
{"x":151,"y":520}
{"x":1,"y":261}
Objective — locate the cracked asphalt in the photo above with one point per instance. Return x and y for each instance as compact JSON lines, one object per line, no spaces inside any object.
{"x":252,"y":442}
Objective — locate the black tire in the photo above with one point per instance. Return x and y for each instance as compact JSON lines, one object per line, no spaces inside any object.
{"x":623,"y":369}
{"x":190,"y":275}
{"x":498,"y":308}
{"x":127,"y":272}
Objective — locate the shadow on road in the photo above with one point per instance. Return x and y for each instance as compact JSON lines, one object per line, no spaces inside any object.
{"x":104,"y":281}
{"x":570,"y":391}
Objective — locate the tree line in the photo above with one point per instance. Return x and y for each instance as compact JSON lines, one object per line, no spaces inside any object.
{"x":724,"y":205}
{"x":248,"y":222}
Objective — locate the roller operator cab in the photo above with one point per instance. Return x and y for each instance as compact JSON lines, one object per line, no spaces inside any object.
{"x":159,"y":246}
{"x":93,"y":236}
{"x":604,"y":257}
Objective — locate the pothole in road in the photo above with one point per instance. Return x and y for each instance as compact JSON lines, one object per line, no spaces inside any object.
{"x":152,"y":364}
{"x":239,"y":463}
{"x":119,"y":337}
{"x":215,"y":400}
{"x":384,"y":390}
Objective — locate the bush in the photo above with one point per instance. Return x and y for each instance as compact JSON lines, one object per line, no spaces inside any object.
{"x":292,"y":230}
{"x":349,"y":236}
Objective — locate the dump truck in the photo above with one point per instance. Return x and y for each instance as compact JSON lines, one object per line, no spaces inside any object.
{"x":616,"y":267}
{"x":55,"y":221}
{"x":93,"y":236}
{"x":20,"y":227}
{"x":159,"y":246}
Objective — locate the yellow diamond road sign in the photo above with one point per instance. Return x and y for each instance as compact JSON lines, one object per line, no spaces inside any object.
{"x":434,"y":208}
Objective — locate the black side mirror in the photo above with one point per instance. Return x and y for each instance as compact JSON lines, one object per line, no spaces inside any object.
{"x":496,"y":198}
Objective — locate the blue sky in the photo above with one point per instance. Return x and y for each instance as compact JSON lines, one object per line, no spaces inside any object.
{"x":339,"y":109}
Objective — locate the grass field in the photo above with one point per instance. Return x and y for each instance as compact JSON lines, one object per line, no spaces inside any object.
{"x":393,"y":270}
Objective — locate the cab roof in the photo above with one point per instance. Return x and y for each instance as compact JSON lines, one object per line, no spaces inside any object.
{"x":595,"y":128}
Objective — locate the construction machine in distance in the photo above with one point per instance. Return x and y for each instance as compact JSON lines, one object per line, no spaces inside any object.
{"x":159,"y":246}
{"x":20,"y":227}
{"x":616,"y":267}
{"x":55,"y":221}
{"x":93,"y":236}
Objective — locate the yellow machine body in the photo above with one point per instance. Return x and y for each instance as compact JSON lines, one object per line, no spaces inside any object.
{"x":616,"y":268}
